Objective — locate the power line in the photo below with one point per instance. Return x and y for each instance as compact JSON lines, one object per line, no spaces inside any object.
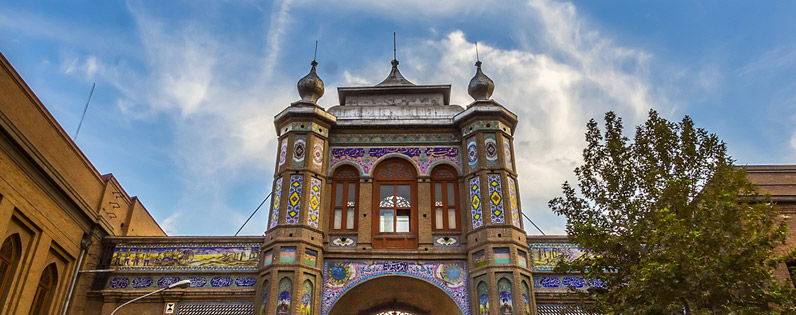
{"x":84,"y":111}
{"x":255,"y":211}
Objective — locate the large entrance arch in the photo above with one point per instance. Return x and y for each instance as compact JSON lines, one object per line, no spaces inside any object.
{"x":373,"y":287}
{"x":402,"y":294}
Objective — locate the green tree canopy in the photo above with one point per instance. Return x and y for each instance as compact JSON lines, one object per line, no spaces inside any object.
{"x":670,"y":225}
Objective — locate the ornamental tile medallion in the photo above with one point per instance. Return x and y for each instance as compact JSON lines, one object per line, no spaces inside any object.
{"x":282,"y":152}
{"x":472,"y":153}
{"x":317,"y":156}
{"x":294,"y":199}
{"x":365,"y":158}
{"x":446,"y":241}
{"x":515,"y":212}
{"x":491,"y":148}
{"x":185,"y":257}
{"x":299,"y":151}
{"x":340,"y":276}
{"x":275,"y":198}
{"x":475,"y":202}
{"x":507,"y":153}
{"x":343,"y":241}
{"x":315,"y":202}
{"x":495,"y":198}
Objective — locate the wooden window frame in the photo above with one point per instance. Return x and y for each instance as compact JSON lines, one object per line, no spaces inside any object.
{"x":45,"y":291}
{"x":445,"y":207}
{"x":407,"y":240}
{"x":344,"y":214}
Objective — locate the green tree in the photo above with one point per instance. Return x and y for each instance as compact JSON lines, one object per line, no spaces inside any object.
{"x":670,"y":225}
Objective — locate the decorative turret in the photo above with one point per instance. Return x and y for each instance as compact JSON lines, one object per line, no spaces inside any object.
{"x":310,"y":87}
{"x":481,"y":86}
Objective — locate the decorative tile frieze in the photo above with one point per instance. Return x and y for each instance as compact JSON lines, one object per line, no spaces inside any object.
{"x":294,"y":199}
{"x":197,"y":281}
{"x":393,"y":138}
{"x":276,"y":197}
{"x":545,"y":256}
{"x":365,"y":158}
{"x":315,"y":202}
{"x":515,"y":210}
{"x":185,"y":257}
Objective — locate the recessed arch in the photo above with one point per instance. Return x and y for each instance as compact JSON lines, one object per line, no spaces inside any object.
{"x":10,"y":253}
{"x":395,"y":204}
{"x":43,"y":299}
{"x":398,"y":292}
{"x":380,"y":161}
{"x":338,"y":165}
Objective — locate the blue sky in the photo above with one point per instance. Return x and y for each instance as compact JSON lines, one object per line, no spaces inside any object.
{"x":187,"y":90}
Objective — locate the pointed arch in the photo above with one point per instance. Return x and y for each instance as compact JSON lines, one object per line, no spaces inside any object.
{"x":283,"y":296}
{"x":44,"y":292}
{"x":306,"y":298}
{"x":10,"y":253}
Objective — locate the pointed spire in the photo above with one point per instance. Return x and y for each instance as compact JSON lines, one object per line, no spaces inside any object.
{"x":395,"y":77}
{"x":481,"y":86}
{"x":310,"y":87}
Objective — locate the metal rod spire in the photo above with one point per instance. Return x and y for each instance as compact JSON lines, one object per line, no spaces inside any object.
{"x":476,"y":52}
{"x":84,"y":111}
{"x":315,"y":56}
{"x":394,"y":50}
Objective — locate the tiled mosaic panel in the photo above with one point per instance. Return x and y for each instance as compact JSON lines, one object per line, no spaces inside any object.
{"x":423,"y":157}
{"x":340,"y":276}
{"x":315,"y":202}
{"x":276,"y":197}
{"x":215,"y":308}
{"x":563,"y":282}
{"x":305,"y":126}
{"x":283,"y":152}
{"x":495,"y":198}
{"x":294,"y":199}
{"x":446,"y":241}
{"x":188,"y":257}
{"x":283,"y":296}
{"x":317,"y":156}
{"x":522,"y":259}
{"x":483,"y":296}
{"x":197,"y":281}
{"x":475,"y":202}
{"x":526,"y":300}
{"x":343,"y":241}
{"x":268,"y":258}
{"x":299,"y":151}
{"x":394,"y":138}
{"x":479,"y":258}
{"x":502,"y":255}
{"x":491,"y":148}
{"x":310,"y":257}
{"x":546,"y":255}
{"x":485,"y":125}
{"x":287,"y":254}
{"x":505,"y":299}
{"x":515,"y":212}
{"x":507,"y":153}
{"x":472,"y":153}
{"x":306,"y":297}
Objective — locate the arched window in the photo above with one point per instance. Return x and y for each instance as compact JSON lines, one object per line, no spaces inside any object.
{"x":394,"y":204}
{"x":526,"y":298}
{"x":445,"y":196}
{"x":45,"y":290}
{"x":9,"y":256}
{"x":345,"y":193}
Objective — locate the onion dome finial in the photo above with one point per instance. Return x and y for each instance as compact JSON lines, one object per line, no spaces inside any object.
{"x":481,"y":86}
{"x":310,"y":87}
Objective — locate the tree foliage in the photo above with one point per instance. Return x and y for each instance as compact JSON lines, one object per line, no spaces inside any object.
{"x":669,"y":225}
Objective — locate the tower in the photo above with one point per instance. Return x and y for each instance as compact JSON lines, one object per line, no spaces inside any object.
{"x":290,"y":272}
